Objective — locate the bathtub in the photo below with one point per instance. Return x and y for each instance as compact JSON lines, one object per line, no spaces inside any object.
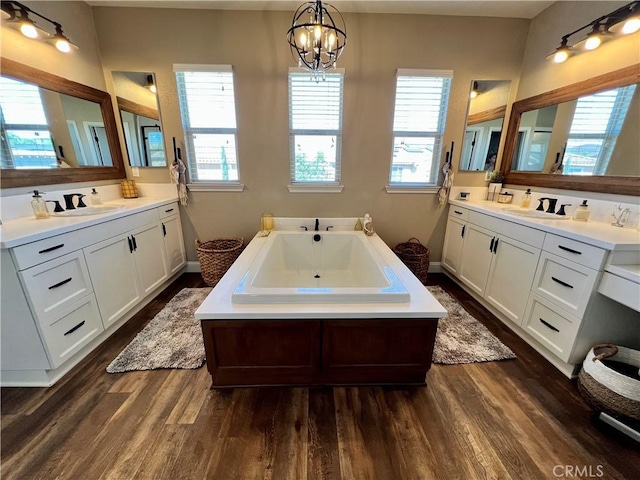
{"x":319,"y":267}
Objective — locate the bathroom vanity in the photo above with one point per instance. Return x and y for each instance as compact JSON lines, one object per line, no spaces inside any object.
{"x":561,"y":285}
{"x":356,"y":328}
{"x":69,"y":282}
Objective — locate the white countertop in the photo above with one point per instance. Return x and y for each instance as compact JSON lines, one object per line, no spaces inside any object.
{"x":29,"y":229}
{"x":598,"y":234}
{"x":218,"y":305}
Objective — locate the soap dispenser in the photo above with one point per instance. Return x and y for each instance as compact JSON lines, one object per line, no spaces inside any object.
{"x":39,"y":206}
{"x":582,"y":212}
{"x":96,"y":199}
{"x":526,"y":199}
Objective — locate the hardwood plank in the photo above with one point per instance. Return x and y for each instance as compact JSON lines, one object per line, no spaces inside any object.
{"x":323,"y":461}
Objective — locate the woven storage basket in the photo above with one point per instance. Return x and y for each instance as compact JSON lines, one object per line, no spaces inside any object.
{"x":415,"y":256}
{"x":216,"y":256}
{"x":606,"y":389}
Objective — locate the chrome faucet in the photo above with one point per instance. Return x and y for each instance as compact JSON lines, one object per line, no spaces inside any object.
{"x":622,"y":216}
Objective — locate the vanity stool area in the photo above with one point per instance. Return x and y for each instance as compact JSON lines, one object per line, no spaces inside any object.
{"x":69,"y":283}
{"x":561,"y":285}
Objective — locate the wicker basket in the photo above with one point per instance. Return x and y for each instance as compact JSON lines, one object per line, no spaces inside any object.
{"x":609,"y":390}
{"x":415,"y":256}
{"x":216,"y":256}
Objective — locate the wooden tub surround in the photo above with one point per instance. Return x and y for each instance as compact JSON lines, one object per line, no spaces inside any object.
{"x":337,"y":342}
{"x":318,"y":352}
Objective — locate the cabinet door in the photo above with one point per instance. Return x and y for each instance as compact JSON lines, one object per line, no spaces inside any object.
{"x":150,"y":258}
{"x":511,"y":276}
{"x":173,"y":243}
{"x":453,"y":240}
{"x":115,"y":280}
{"x":476,"y":257}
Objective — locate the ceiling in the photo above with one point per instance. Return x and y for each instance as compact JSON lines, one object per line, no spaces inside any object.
{"x":474,"y":8}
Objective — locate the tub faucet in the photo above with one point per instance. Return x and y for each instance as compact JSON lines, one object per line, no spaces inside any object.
{"x":317,"y":228}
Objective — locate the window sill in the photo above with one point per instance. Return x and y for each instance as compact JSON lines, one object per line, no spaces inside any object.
{"x":412,"y":188}
{"x":215,"y":187}
{"x":309,"y":188}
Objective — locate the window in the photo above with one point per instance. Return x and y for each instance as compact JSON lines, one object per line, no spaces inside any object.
{"x":594,"y":131}
{"x":315,"y":128}
{"x":207,"y":108}
{"x":420,"y":114}
{"x":25,"y":138}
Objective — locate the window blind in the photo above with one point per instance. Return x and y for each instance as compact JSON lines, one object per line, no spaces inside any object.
{"x":207,"y":107}
{"x":315,"y":126}
{"x":420,"y":113}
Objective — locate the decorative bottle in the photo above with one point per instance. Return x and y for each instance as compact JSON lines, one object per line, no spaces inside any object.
{"x":96,"y":199}
{"x":526,"y":199}
{"x":582,"y":212}
{"x":39,"y":206}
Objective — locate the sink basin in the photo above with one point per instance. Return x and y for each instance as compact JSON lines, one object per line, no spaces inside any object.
{"x":523,"y":212}
{"x":83,"y":212}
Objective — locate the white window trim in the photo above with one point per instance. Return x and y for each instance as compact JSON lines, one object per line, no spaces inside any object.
{"x":408,"y":187}
{"x":216,"y":187}
{"x":213,"y":185}
{"x":316,"y":187}
{"x":305,"y":187}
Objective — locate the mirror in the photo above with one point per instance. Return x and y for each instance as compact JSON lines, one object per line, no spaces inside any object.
{"x":580,"y":137}
{"x":485,"y":118}
{"x":139,"y":114}
{"x":67,"y":133}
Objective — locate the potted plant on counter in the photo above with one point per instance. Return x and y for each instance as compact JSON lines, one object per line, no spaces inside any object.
{"x":495,"y":185}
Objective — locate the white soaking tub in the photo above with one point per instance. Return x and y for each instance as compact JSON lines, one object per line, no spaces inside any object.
{"x":319,"y":267}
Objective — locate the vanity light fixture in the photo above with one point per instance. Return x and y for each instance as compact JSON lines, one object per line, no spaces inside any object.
{"x":151,"y":84}
{"x":317,"y":37}
{"x":623,"y":21}
{"x":17,"y":15}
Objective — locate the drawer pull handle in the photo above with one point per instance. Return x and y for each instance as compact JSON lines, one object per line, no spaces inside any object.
{"x":570,"y":250}
{"x":495,"y":246}
{"x":59,"y":284}
{"x":130,"y":244}
{"x":493,"y":240}
{"x":548,"y":325}
{"x":170,"y":210}
{"x":51,"y":249}
{"x":135,"y":245}
{"x":457,"y":212}
{"x":564,"y":284}
{"x":74,"y":328}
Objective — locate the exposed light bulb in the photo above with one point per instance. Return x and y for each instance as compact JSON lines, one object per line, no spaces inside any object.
{"x":63,"y":45}
{"x":560,"y":56}
{"x":303,"y":39}
{"x":592,"y":42}
{"x":631,"y":26}
{"x":473,"y":94}
{"x":29,"y":30}
{"x":153,"y":89}
{"x":317,"y":31}
{"x":332,"y":39}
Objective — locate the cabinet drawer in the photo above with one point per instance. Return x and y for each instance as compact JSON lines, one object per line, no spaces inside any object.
{"x":587,"y":255}
{"x":523,"y":234}
{"x":168,"y":210}
{"x":56,"y":284}
{"x":458,"y":212}
{"x":555,"y":331}
{"x":564,"y":283}
{"x":79,"y":324}
{"x":34,"y":253}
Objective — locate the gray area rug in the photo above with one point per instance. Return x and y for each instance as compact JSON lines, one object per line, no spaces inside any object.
{"x":463,"y":339}
{"x":173,"y":339}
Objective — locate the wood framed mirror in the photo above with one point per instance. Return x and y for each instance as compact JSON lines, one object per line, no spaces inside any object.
{"x":540,"y":141}
{"x":91,"y":149}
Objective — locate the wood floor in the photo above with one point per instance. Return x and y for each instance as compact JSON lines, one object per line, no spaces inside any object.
{"x":518,"y":419}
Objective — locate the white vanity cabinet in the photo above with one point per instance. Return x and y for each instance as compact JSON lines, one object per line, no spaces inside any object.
{"x":454,"y":238}
{"x":542,"y":284}
{"x":172,"y":235}
{"x":498,"y":262}
{"x":64,"y":294}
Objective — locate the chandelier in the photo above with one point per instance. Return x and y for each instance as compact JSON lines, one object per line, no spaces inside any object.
{"x":317,"y":37}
